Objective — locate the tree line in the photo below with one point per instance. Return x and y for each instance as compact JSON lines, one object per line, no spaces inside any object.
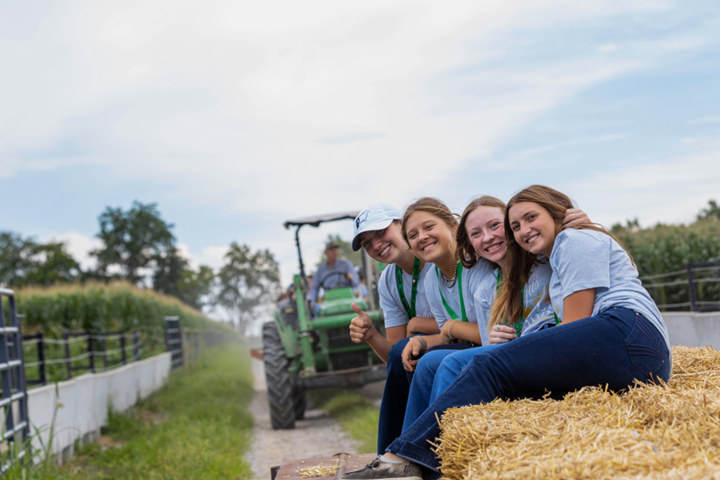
{"x":138,"y":246}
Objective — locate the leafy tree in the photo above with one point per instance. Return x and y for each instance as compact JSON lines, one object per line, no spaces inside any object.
{"x":345,"y":251}
{"x":712,"y":212}
{"x":132,"y":240}
{"x":51,"y":265}
{"x":193,"y":286}
{"x":25,"y":262}
{"x":169,"y":269}
{"x":16,"y":258}
{"x":247,"y":281}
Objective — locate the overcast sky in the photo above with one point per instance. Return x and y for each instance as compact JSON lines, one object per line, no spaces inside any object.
{"x":237,"y":115}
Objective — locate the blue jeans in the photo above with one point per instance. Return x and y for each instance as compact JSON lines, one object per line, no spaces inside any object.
{"x":395,"y":396}
{"x":613,"y":348}
{"x":397,"y":391}
{"x":421,"y":388}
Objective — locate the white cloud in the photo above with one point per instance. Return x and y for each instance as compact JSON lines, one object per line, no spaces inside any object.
{"x":608,"y":48}
{"x":294,"y":108}
{"x":78,"y":245}
{"x":291,"y":100}
{"x":669,"y":191}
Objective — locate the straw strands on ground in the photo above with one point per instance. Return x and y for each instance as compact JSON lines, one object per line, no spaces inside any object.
{"x":649,"y":432}
{"x":318,"y":471}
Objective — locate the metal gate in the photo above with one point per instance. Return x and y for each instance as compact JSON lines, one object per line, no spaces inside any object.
{"x":16,"y":434}
{"x":173,"y":341}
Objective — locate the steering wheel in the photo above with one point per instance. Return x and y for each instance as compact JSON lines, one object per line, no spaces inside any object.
{"x":330,"y":275}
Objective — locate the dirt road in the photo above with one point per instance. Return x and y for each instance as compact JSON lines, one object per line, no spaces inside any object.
{"x":319,"y":435}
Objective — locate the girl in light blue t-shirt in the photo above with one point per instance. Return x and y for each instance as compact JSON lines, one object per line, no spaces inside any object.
{"x":429,"y":228}
{"x":481,"y":242}
{"x":611,"y":332}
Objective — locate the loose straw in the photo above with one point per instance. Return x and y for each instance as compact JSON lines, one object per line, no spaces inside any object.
{"x":646,"y":433}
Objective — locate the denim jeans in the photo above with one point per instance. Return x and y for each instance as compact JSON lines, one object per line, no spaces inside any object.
{"x":421,"y":388}
{"x":612,"y":348}
{"x":395,"y":396}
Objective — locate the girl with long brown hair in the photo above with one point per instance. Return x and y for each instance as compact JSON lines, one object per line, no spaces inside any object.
{"x":611,"y":332}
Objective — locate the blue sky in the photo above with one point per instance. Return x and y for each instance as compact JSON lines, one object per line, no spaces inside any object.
{"x":235,"y":116}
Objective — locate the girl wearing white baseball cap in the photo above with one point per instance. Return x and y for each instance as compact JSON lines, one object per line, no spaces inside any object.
{"x":405,"y":308}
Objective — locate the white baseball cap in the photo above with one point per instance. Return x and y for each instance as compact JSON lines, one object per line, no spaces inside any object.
{"x":375,"y":217}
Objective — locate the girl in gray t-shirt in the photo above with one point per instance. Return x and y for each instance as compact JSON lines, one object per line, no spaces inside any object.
{"x":401,"y":286}
{"x":611,"y":333}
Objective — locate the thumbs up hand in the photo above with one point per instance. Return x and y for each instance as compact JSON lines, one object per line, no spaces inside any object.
{"x":361,"y":327}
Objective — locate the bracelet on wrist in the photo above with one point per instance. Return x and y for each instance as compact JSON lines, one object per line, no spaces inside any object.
{"x":423,"y":345}
{"x":449,"y":330}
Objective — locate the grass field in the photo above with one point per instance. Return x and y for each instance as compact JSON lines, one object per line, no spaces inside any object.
{"x":196,"y":427}
{"x":355,"y":414}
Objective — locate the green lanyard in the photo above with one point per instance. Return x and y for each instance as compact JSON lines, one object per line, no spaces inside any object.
{"x":518,"y":326}
{"x":410,"y":309}
{"x":450,"y":311}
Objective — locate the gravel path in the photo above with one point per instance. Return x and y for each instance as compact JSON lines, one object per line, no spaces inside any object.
{"x":319,"y":435}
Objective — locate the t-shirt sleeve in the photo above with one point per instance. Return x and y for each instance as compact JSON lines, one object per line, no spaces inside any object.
{"x":582,"y":260}
{"x":392,"y":308}
{"x":483,"y":297}
{"x":433,"y":297}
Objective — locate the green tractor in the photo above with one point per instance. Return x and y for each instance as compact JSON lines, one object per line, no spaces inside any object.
{"x":304,"y":350}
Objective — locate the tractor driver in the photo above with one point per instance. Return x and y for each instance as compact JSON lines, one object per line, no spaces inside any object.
{"x":335,"y":273}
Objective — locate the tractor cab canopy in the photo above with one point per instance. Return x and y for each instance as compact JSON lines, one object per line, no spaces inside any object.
{"x":316,"y":220}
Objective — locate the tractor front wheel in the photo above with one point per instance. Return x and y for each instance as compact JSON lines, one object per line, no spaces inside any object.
{"x":279,"y":385}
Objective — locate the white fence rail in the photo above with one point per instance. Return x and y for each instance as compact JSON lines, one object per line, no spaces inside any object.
{"x":82,"y":403}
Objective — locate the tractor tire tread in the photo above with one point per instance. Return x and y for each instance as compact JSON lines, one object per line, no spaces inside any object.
{"x":279,"y":383}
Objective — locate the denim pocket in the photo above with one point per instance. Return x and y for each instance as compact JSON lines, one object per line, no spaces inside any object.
{"x":646,"y":348}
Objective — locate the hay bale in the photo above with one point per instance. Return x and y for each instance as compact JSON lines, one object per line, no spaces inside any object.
{"x":649,"y":432}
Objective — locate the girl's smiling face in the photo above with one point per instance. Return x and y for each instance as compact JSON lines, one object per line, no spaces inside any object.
{"x":429,"y":236}
{"x":486,"y":232}
{"x":533,"y":227}
{"x":384,"y":245}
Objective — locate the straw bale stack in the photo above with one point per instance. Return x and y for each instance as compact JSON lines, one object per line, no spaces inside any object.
{"x":649,"y":432}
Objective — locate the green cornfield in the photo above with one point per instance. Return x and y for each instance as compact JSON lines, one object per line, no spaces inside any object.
{"x":663,"y":250}
{"x":112,"y":307}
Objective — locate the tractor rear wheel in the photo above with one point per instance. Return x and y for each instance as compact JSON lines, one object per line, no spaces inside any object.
{"x":279,"y":385}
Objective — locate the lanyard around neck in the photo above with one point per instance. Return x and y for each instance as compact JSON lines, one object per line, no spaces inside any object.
{"x":410,"y":309}
{"x":450,"y":311}
{"x":517,"y":326}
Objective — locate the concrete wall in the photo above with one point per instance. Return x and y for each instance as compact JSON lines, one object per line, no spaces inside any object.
{"x":83,"y":401}
{"x":694,"y":329}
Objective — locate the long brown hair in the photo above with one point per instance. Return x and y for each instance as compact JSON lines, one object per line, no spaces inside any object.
{"x":464,"y":250}
{"x":519,"y":261}
{"x":432,"y":206}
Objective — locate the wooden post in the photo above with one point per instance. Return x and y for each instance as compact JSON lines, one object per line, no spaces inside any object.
{"x":122,"y":348}
{"x":197,"y":346}
{"x":692,"y":288}
{"x":41,"y":357}
{"x":104,"y":347}
{"x":136,"y":346}
{"x":91,"y":351}
{"x":68,"y":362}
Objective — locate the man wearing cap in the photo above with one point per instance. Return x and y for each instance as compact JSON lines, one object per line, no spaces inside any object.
{"x":335,"y":273}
